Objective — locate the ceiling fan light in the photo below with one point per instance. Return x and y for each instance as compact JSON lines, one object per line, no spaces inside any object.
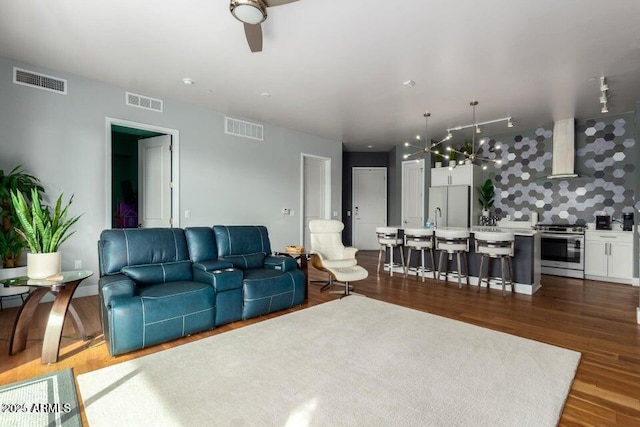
{"x":251,"y":12}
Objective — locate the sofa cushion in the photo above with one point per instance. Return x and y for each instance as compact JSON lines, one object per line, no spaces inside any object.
{"x":176,"y":309}
{"x":118,"y":248}
{"x":247,"y":261}
{"x":241,"y":240}
{"x":163,"y":272}
{"x":201,"y":243}
{"x":265,"y":291}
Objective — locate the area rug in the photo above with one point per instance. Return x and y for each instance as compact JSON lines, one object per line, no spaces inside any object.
{"x":355,"y":361}
{"x":48,"y":400}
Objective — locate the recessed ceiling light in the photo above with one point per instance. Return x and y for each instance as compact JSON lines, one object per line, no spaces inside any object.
{"x":188,"y":81}
{"x":265,"y":94}
{"x":409,"y":83}
{"x":210,"y":91}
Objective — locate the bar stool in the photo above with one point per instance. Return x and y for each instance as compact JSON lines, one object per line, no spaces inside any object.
{"x":419,"y":239}
{"x":388,"y":238}
{"x":452,"y":241}
{"x":495,"y":244}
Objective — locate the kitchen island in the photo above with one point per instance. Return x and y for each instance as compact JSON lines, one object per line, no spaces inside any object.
{"x":526,"y":260}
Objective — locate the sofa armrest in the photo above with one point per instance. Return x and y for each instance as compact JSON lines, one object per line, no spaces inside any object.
{"x":117,"y":285}
{"x":212,"y":265}
{"x":350,"y":252}
{"x":283,"y":263}
{"x":221,"y":280}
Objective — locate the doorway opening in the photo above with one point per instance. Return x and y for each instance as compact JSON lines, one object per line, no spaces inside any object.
{"x":316,"y":193}
{"x":141,"y":179}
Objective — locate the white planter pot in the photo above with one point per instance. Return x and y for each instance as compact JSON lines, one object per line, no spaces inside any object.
{"x":468,"y":162}
{"x":452,"y":163}
{"x":485,"y":212}
{"x":41,"y":266}
{"x":438,"y":164}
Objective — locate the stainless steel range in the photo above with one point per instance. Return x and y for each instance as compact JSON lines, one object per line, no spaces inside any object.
{"x":562,"y":249}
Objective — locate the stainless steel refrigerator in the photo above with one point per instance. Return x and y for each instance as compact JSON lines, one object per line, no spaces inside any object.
{"x":453,"y":201}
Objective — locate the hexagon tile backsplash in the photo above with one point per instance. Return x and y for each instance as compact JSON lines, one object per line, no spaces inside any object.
{"x":605,"y":153}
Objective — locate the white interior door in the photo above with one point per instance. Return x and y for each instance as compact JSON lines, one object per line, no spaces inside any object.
{"x":316,"y":197}
{"x":413,"y":193}
{"x":369,"y":206}
{"x":154,"y":181}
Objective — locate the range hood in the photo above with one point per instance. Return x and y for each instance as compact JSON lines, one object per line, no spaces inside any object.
{"x":563,"y":149}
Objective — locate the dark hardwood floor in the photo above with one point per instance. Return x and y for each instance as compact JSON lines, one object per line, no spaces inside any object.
{"x":595,"y":318}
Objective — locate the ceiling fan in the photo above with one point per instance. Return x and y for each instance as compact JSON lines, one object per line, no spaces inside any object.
{"x":252,"y":13}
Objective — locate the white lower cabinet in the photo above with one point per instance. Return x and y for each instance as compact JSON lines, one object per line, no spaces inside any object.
{"x":609,"y":255}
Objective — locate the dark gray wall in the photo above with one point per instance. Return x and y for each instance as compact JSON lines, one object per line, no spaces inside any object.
{"x":605,"y":160}
{"x":351,"y":160}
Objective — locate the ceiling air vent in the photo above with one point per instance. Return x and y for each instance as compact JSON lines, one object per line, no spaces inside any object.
{"x":39,"y":81}
{"x":141,"y":101}
{"x":243,"y":128}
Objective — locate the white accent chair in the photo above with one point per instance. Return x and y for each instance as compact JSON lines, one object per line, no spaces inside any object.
{"x":330,"y":255}
{"x":420,"y":239}
{"x":453,"y":242}
{"x":496,"y":245}
{"x":388,"y":239}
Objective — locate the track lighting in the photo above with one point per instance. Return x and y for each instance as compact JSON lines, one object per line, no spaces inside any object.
{"x":478,"y":130}
{"x":509,"y":123}
{"x":604,"y":97}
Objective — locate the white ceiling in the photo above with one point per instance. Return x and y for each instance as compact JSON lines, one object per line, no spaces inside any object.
{"x":335,"y":68}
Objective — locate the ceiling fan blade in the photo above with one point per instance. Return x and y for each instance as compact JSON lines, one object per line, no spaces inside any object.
{"x":254,"y":36}
{"x":272,"y":3}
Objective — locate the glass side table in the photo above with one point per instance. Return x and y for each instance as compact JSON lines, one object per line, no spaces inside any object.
{"x":63,"y":287}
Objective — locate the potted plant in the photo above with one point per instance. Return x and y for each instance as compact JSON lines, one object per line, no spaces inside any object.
{"x":487,"y":194}
{"x":44,"y":231}
{"x":452,"y":157}
{"x":11,"y":245}
{"x":437,"y":157}
{"x":467,"y":149}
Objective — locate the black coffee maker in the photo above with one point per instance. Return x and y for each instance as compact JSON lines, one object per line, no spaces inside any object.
{"x":627,"y":221}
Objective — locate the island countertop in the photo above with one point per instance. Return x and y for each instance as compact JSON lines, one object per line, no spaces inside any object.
{"x":498,"y":229}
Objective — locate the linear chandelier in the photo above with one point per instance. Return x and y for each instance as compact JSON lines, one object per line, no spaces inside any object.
{"x":472,"y":157}
{"x":475,"y":157}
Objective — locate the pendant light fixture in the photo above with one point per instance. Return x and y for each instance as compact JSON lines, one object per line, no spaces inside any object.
{"x":475,"y":156}
{"x":427,"y":146}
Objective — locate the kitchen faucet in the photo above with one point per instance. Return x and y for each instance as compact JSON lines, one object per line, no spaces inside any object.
{"x":438,"y":212}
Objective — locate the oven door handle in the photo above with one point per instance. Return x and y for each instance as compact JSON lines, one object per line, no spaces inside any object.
{"x":568,"y":237}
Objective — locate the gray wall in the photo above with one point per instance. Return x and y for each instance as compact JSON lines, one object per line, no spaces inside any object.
{"x":223,"y":179}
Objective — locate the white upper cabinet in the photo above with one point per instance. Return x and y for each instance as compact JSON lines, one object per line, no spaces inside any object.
{"x":460,"y":175}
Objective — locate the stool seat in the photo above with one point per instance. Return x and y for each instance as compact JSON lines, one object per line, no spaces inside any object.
{"x":388,"y":238}
{"x":500,"y":245}
{"x":453,"y":241}
{"x":419,"y":239}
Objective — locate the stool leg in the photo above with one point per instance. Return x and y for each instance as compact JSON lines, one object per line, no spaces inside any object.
{"x":402,"y":255}
{"x":406,"y":267}
{"x":503,"y":273}
{"x":513,"y":286}
{"x":440,"y":256}
{"x":480,"y":273}
{"x":423,"y":264}
{"x":466,"y":267}
{"x":380,"y":257}
{"x":433,"y":263}
{"x":459,"y":270}
{"x":391,"y":261}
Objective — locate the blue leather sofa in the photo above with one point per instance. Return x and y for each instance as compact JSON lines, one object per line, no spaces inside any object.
{"x":160,"y":284}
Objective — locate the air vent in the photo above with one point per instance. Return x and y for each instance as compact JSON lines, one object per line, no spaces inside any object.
{"x":243,"y":128}
{"x":39,"y":81}
{"x":141,"y":101}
